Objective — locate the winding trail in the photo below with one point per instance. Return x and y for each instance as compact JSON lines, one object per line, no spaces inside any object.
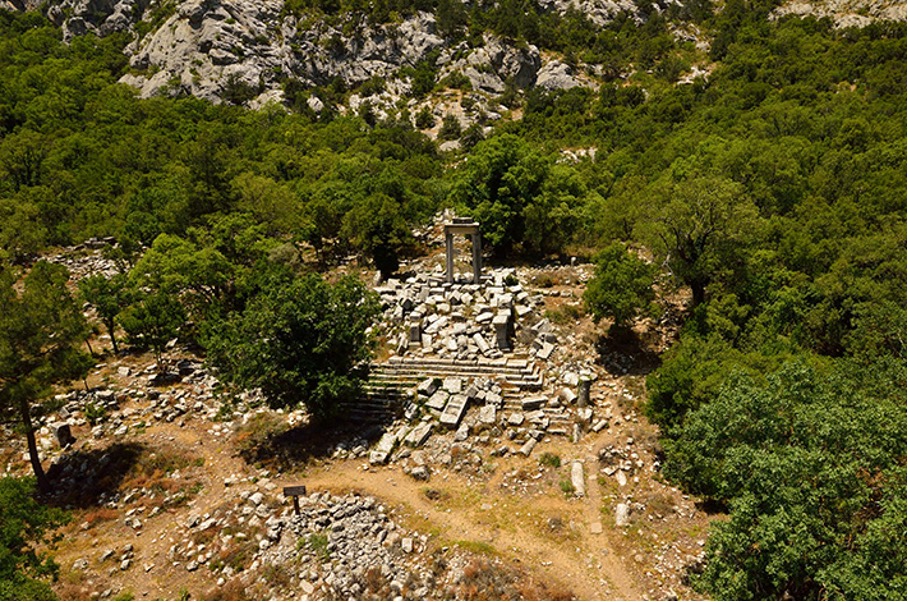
{"x":583,"y":563}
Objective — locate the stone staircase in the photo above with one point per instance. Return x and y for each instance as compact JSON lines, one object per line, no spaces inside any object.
{"x":392,"y":386}
{"x":407,"y":372}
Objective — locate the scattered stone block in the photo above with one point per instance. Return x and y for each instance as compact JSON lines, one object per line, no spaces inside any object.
{"x":585,"y":415}
{"x":438,"y":400}
{"x":403,"y":343}
{"x":454,"y":411}
{"x":383,"y":449}
{"x":622,"y":515}
{"x":621,"y":478}
{"x":452,"y":384}
{"x":481,"y":343}
{"x":63,"y":434}
{"x":567,"y":395}
{"x":546,"y":351}
{"x":527,"y":448}
{"x":494,"y":398}
{"x":427,"y":387}
{"x":536,"y":416}
{"x":533,"y":403}
{"x":515,"y":419}
{"x":419,"y":435}
{"x":487,"y":414}
{"x":484,"y":317}
{"x":600,"y":424}
{"x":420,"y":473}
{"x":522,"y":311}
{"x":577,"y":479}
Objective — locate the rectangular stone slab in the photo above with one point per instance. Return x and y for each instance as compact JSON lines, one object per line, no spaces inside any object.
{"x":438,"y":400}
{"x":419,"y":435}
{"x":577,"y":479}
{"x":533,"y":403}
{"x":527,"y":447}
{"x":454,"y":411}
{"x":487,"y":414}
{"x":427,"y":387}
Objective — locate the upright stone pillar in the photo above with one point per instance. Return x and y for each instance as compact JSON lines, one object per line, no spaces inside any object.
{"x":583,"y":398}
{"x":449,"y":255}
{"x":415,"y":331}
{"x":477,"y":258}
{"x":502,"y":322}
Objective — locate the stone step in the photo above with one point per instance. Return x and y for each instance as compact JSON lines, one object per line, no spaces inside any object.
{"x":389,"y":373}
{"x":502,"y":364}
{"x":424,"y":371}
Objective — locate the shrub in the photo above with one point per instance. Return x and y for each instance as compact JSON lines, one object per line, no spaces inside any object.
{"x":450,"y":128}
{"x":550,"y":459}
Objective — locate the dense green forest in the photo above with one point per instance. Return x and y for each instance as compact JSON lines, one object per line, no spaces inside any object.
{"x":772,"y":189}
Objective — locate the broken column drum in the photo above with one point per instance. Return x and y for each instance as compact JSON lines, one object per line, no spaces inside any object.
{"x":467,"y":227}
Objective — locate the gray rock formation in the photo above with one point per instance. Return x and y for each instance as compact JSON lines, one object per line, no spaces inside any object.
{"x":599,"y":12}
{"x":845,"y":13}
{"x":101,"y":17}
{"x":556,"y":75}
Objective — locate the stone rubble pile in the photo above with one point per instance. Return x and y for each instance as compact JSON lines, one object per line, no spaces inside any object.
{"x":180,"y":391}
{"x":348,"y":547}
{"x":427,"y":316}
{"x":87,"y":259}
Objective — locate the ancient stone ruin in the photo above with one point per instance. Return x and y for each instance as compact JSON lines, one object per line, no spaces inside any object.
{"x":470,"y":355}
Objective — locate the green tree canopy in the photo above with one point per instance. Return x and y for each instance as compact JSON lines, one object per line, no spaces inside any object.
{"x":41,"y":330}
{"x":23,"y":524}
{"x":812,"y":467}
{"x":621,"y":287}
{"x":109,"y":296}
{"x":299,"y":340}
{"x":700,"y":227}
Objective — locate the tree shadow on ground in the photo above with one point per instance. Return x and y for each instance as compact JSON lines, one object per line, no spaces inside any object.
{"x":287,"y":449}
{"x":623,"y":351}
{"x":712,"y":507}
{"x":84,"y":478}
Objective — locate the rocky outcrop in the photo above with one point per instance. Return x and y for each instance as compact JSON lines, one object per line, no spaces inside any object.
{"x":243,"y":50}
{"x":101,"y":17}
{"x":209,"y":44}
{"x":492,"y":65}
{"x":845,"y":13}
{"x":599,"y":12}
{"x":207,"y":48}
{"x":556,"y":75}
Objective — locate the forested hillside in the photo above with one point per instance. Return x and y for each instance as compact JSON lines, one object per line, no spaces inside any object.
{"x":753,"y":164}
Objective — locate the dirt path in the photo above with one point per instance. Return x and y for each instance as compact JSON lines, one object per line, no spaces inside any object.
{"x":583,"y":563}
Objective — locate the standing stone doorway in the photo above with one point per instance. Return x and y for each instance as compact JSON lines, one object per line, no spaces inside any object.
{"x":467,"y":227}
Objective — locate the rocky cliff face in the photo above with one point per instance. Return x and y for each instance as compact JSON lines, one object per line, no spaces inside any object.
{"x":201,"y":47}
{"x":846,"y":13}
{"x":209,"y":47}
